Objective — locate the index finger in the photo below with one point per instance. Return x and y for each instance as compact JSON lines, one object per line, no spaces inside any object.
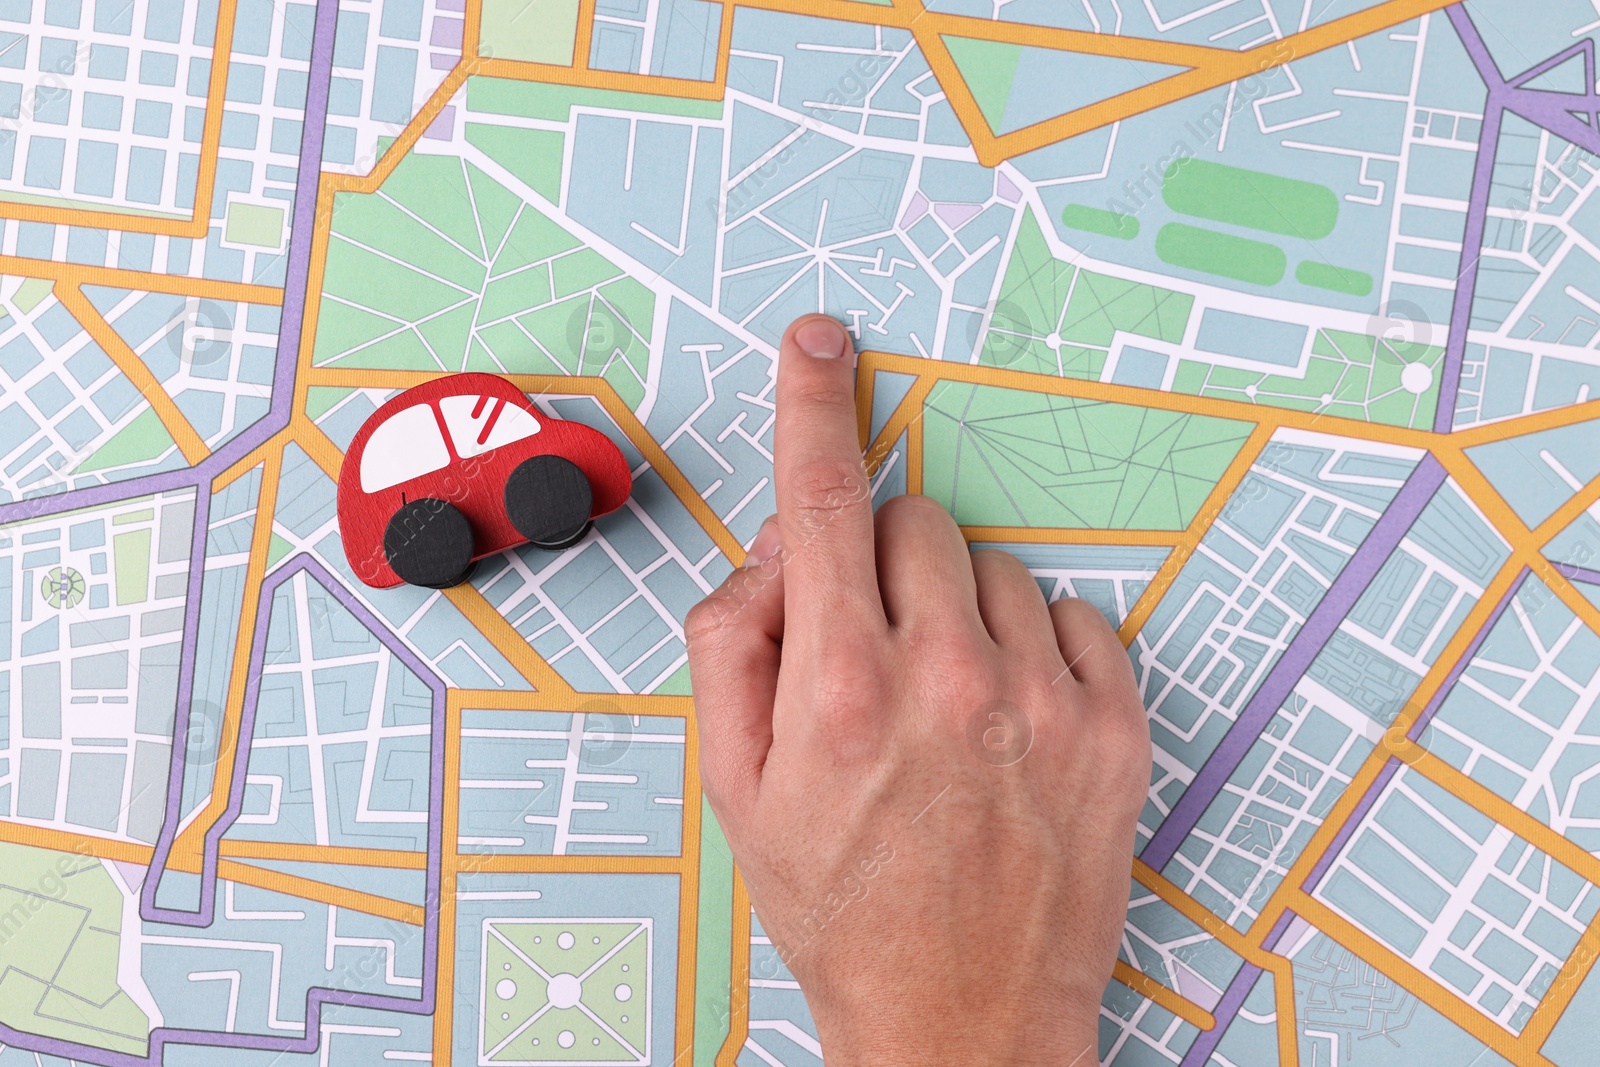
{"x":824,"y":498}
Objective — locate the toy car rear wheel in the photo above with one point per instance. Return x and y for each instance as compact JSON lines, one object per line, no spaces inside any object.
{"x":548,"y":500}
{"x":428,"y":542}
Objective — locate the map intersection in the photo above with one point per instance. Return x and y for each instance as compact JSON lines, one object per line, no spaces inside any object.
{"x":1269,"y":327}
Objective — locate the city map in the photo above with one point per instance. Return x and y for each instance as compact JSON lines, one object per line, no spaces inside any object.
{"x":1268,"y":327}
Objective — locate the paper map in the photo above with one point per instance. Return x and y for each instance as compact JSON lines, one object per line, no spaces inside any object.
{"x":1267,"y":326}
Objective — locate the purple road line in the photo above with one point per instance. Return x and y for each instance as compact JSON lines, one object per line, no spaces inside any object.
{"x":317,"y":996}
{"x":1584,"y":47}
{"x":295,"y":294}
{"x":307,"y":178}
{"x":1444,"y":416}
{"x":1392,"y":766}
{"x":1574,"y":573}
{"x":1477,"y":50}
{"x":1233,"y":998}
{"x":1319,"y":628}
{"x":1226,"y":1009}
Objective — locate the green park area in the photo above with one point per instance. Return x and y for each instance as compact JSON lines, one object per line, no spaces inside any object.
{"x":60,"y":934}
{"x":1006,"y":457}
{"x":445,"y":268}
{"x":1055,"y":319}
{"x":1348,"y":374}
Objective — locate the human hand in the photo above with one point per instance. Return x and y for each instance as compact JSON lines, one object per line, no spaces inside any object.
{"x":929,"y":779}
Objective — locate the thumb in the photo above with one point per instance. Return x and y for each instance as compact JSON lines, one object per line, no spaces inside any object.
{"x":734,"y":638}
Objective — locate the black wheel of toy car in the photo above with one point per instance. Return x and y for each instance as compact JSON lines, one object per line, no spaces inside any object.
{"x":548,"y":500}
{"x":428,"y":542}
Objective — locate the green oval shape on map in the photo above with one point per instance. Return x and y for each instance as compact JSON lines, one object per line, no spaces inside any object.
{"x":1334,"y":279}
{"x":1095,"y":220}
{"x":1221,"y":254}
{"x":1250,"y":198}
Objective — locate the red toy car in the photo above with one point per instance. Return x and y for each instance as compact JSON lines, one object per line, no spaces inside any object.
{"x":462,"y":467}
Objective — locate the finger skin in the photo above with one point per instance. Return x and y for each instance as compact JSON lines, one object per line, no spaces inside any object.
{"x":824,"y":498}
{"x":735,"y":637}
{"x":1090,"y":647}
{"x":924,"y":569}
{"x":1012,"y":606}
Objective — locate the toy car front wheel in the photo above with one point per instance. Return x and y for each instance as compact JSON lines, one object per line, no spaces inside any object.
{"x":428,"y":542}
{"x":548,"y":500}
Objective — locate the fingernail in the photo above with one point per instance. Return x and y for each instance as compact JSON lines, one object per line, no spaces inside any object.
{"x":766,"y":545}
{"x":822,"y":338}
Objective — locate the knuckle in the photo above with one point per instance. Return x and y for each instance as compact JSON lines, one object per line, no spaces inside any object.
{"x":706,"y":621}
{"x":917,"y":507}
{"x":822,"y":488}
{"x":957,"y":674}
{"x":822,"y":391}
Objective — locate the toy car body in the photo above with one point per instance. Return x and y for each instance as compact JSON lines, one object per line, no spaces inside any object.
{"x":462,"y":467}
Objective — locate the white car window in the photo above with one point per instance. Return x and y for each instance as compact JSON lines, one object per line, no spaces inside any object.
{"x":406,"y":445}
{"x":480,"y":423}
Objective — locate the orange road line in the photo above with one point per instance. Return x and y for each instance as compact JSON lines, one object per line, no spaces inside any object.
{"x":80,"y":844}
{"x":251,"y":460}
{"x":649,"y":704}
{"x":585,"y":863}
{"x":1367,"y":773}
{"x":1188,"y":542}
{"x":866,"y":386}
{"x":534,"y":668}
{"x":908,"y":411}
{"x":1565,"y":591}
{"x":450,"y":817}
{"x":1209,"y":72}
{"x":738,"y":978}
{"x":583,"y":43}
{"x":216,"y":101}
{"x":240,"y":849}
{"x":199,"y":221}
{"x":1421,"y":985}
{"x":853,"y":11}
{"x":365,"y":183}
{"x":667,"y":469}
{"x":689,"y":895}
{"x":724,"y":47}
{"x":504,"y":637}
{"x":102,"y":219}
{"x":1487,"y":802}
{"x":1491,"y":432}
{"x":134,"y":369}
{"x":1062,"y":535}
{"x":316,"y":444}
{"x":1106,"y":392}
{"x":177,"y":424}
{"x":321,"y":892}
{"x":1150,"y":989}
{"x":619,"y":81}
{"x":1558,"y":998}
{"x":143,"y":281}
{"x":190,"y":840}
{"x":1083,"y":42}
{"x":472,"y":32}
{"x":1279,"y":967}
